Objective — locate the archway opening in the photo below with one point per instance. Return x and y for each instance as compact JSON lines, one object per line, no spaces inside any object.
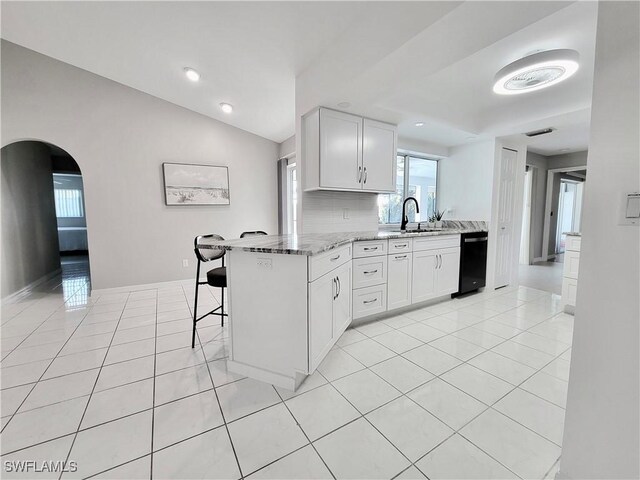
{"x":44,"y":226}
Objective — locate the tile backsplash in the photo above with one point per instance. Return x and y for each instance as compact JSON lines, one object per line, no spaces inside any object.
{"x":325,"y":211}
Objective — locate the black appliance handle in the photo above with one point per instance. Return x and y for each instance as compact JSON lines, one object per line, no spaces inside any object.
{"x":477,"y":239}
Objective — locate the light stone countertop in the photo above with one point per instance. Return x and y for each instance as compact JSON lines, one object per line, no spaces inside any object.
{"x":315,"y":243}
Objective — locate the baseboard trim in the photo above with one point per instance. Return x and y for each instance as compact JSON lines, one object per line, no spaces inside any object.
{"x":538,"y":259}
{"x":15,"y":296}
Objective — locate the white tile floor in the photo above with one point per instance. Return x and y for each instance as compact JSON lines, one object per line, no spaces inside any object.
{"x":468,"y":388}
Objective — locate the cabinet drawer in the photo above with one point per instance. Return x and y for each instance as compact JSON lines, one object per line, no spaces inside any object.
{"x":321,"y":264}
{"x":435,"y":242}
{"x":571,"y":264}
{"x":400,"y":245}
{"x":572,"y":243}
{"x":369,"y":300}
{"x":369,"y":271}
{"x":369,"y":248}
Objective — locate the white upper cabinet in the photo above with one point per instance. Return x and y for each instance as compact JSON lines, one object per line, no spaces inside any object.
{"x":379,"y":153}
{"x":347,"y":152}
{"x":340,"y":150}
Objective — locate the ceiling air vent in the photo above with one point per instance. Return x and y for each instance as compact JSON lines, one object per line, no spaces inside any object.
{"x":535,"y":133}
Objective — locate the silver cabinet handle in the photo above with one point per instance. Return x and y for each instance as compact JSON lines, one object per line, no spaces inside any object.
{"x":335,"y":258}
{"x":371,"y":272}
{"x":359,"y":174}
{"x":365,"y":174}
{"x":439,"y":261}
{"x":404,"y":245}
{"x":335,"y":285}
{"x":370,"y":301}
{"x":400,"y":257}
{"x":369,"y":249}
{"x":339,"y":287}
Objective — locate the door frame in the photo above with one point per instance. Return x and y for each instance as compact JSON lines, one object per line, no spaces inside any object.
{"x":547,"y":208}
{"x":527,"y":212}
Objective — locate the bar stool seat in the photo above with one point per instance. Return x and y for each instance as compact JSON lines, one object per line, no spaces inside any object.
{"x":217,"y":277}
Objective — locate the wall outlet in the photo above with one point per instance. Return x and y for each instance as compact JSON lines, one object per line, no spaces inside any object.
{"x":265,"y":263}
{"x":345,"y":213}
{"x":185,"y":262}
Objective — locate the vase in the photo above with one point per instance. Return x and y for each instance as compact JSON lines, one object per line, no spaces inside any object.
{"x":439,"y":224}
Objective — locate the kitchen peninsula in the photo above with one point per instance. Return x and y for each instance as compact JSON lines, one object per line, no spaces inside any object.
{"x":292,"y":296}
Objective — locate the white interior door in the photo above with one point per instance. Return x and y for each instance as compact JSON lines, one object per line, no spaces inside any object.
{"x":506,"y":200}
{"x":526,"y":220}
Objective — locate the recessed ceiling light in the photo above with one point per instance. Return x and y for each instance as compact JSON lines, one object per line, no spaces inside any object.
{"x":564,"y":150}
{"x":226,"y":107}
{"x":344,"y":104}
{"x":537,"y":71}
{"x":470,"y":138}
{"x":191,"y":74}
{"x":419,"y":124}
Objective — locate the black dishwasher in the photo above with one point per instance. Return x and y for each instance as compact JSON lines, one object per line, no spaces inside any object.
{"x":473,"y":262}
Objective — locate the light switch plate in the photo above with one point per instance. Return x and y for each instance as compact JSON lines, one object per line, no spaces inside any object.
{"x":265,"y":263}
{"x":630,"y":209}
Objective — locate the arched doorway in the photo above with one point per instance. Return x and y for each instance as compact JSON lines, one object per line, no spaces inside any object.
{"x":44,"y":229}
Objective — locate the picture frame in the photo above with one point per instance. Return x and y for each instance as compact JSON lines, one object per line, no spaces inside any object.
{"x":188,"y":184}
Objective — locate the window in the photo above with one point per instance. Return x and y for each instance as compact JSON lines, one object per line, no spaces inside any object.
{"x":416,"y":177}
{"x":68,"y":203}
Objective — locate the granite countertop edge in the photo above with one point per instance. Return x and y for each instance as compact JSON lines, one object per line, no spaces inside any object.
{"x":315,"y":244}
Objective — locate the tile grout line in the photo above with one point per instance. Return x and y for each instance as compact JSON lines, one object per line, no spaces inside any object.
{"x":86,"y":407}
{"x":153,"y":396}
{"x":226,"y":426}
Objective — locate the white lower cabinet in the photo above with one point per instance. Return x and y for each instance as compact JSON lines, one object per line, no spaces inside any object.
{"x":399,"y":280}
{"x":423,"y":276}
{"x":435,"y":273}
{"x":570,"y":272}
{"x":329,"y":311}
{"x":448,"y":271}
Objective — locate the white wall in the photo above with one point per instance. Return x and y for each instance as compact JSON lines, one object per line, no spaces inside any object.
{"x":601,"y":435}
{"x":465,"y":182}
{"x":29,"y":229}
{"x":120,"y":137}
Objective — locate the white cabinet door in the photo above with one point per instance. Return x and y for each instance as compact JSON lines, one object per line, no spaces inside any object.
{"x":379,"y":156}
{"x":423,"y":276}
{"x":342,"y":302}
{"x":571,"y":264}
{"x":448,"y":270}
{"x":340,"y":150}
{"x":399,"y":280}
{"x":321,"y":299}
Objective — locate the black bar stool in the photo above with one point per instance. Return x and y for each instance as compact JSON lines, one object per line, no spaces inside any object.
{"x":255,"y":232}
{"x":216,"y":277}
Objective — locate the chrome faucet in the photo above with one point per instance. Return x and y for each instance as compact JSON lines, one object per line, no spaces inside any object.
{"x":405,"y":219}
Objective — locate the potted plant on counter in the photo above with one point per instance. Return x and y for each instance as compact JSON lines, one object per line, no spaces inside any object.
{"x":431,"y":222}
{"x":438,"y":218}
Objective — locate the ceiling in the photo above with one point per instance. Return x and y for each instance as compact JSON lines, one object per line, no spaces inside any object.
{"x":403,"y":62}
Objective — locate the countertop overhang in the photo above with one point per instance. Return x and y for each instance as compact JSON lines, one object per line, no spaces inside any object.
{"x":314,"y":243}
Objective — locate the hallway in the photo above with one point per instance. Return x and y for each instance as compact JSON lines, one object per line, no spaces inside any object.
{"x":545,"y":276}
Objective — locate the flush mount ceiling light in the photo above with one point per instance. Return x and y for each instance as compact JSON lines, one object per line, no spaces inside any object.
{"x":419,"y":124}
{"x":191,"y":74}
{"x":226,"y":107}
{"x":537,"y":71}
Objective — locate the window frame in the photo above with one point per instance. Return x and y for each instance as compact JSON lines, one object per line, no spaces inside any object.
{"x":405,"y":186}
